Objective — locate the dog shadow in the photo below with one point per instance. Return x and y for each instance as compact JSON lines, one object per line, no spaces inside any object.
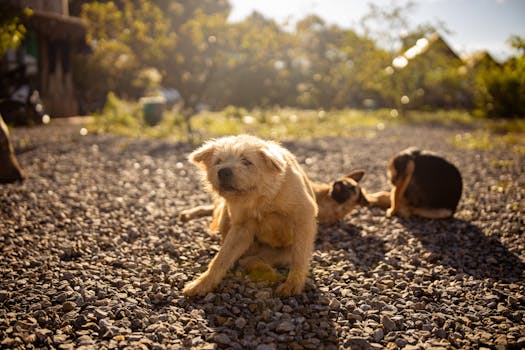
{"x":244,"y":315}
{"x":464,"y":247}
{"x":361,"y":248}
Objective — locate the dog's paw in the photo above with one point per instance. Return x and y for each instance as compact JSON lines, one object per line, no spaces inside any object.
{"x":199,"y":287}
{"x":390,"y":212}
{"x":184,"y":216}
{"x":289,"y":288}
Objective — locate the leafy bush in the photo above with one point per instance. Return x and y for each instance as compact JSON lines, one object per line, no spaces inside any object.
{"x":501,"y":91}
{"x":126,"y":118}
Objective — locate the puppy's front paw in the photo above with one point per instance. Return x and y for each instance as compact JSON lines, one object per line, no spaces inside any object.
{"x":199,"y":287}
{"x":390,"y":212}
{"x":289,"y":288}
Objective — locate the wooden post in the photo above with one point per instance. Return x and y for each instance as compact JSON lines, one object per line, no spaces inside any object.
{"x":10,"y":170}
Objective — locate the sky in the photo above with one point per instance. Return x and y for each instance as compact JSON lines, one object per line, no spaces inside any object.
{"x":474,"y":25}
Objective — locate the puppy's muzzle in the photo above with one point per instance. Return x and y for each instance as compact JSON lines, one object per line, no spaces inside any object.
{"x":225,"y":176}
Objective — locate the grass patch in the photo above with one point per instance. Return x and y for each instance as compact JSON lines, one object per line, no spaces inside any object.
{"x":126,"y":118}
{"x":292,"y":123}
{"x":484,"y":139}
{"x":451,"y":118}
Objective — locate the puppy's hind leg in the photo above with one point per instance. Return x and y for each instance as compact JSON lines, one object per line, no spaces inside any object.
{"x":397,"y":201}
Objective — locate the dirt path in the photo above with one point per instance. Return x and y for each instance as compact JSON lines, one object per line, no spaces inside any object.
{"x":92,"y":253}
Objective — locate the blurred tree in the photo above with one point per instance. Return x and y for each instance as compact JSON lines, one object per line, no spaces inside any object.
{"x":500,"y":91}
{"x":255,"y":62}
{"x":365,"y":82}
{"x":178,"y":38}
{"x":12,"y":31}
{"x":255,"y":65}
{"x":194,"y":60}
{"x":319,"y":48}
{"x":127,"y":37}
{"x":387,"y":25}
{"x":518,"y":43}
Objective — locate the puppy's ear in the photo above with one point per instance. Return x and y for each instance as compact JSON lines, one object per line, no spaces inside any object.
{"x":273,"y":158}
{"x":357,"y":175}
{"x":202,"y":154}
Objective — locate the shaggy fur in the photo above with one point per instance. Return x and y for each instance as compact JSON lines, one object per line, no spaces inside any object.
{"x":267,"y":210}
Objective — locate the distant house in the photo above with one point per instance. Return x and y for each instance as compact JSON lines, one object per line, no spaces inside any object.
{"x":432,"y":48}
{"x":439,"y":77}
{"x":47,"y":51}
{"x":481,"y":59}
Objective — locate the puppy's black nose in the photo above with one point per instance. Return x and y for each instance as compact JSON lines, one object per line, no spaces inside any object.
{"x":225,"y":174}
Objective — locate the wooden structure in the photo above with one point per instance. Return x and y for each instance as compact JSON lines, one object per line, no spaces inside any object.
{"x":51,"y":40}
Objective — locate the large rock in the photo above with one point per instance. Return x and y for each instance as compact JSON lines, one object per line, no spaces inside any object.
{"x":10,"y":170}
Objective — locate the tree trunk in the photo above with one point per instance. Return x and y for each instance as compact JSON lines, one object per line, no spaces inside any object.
{"x":10,"y":170}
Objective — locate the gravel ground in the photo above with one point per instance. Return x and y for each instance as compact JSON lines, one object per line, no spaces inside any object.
{"x":92,"y":254}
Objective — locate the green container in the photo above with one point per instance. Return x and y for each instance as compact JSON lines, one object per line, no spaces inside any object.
{"x":153,"y":109}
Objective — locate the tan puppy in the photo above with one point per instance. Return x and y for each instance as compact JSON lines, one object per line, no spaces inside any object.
{"x":335,"y":200}
{"x":338,"y":199}
{"x":267,"y":201}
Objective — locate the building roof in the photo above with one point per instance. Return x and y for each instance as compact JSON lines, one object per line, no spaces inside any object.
{"x":480,"y":58}
{"x":55,"y":26}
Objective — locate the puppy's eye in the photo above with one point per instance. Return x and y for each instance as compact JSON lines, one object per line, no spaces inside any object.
{"x":218,"y":161}
{"x":246,"y":162}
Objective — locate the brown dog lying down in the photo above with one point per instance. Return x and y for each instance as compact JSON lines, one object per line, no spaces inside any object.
{"x":334,"y":200}
{"x":425,"y":185}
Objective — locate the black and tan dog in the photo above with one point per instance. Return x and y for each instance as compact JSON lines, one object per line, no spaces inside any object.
{"x":335,"y":200}
{"x":425,"y":185}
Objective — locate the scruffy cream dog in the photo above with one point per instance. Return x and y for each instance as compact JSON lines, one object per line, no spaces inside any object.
{"x":269,"y":205}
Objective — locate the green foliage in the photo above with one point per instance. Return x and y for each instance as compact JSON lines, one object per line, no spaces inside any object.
{"x":12,"y":31}
{"x":517,"y":42}
{"x":485,"y":140}
{"x":129,"y":39}
{"x":118,"y":117}
{"x":126,"y":118}
{"x":189,"y":45}
{"x":501,"y":91}
{"x":292,"y":123}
